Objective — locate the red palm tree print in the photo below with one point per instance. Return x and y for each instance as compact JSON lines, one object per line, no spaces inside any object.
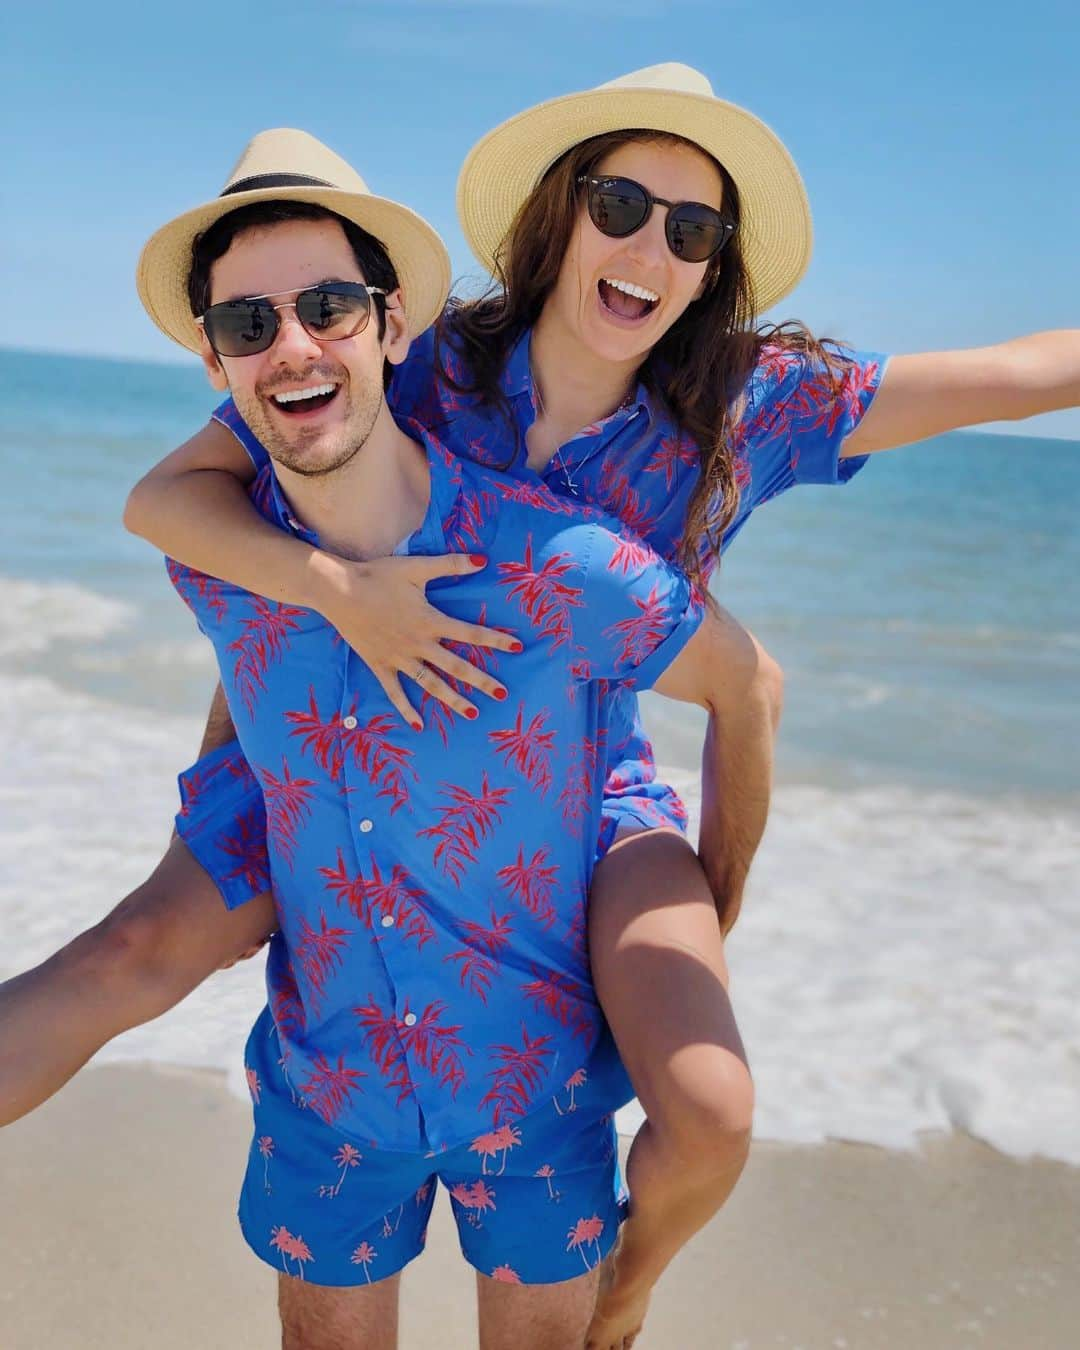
{"x":506,"y":1275}
{"x":532,"y":883}
{"x":266,"y":1148}
{"x":527,"y":749}
{"x":517,"y":1077}
{"x":672,"y":452}
{"x":434,"y":1046}
{"x":474,"y":971}
{"x":463,"y":824}
{"x":287,"y":807}
{"x":580,"y":791}
{"x":347,"y":1156}
{"x":367,"y":897}
{"x":547,"y":1172}
{"x":384,"y":761}
{"x":584,"y":1233}
{"x":248,"y":847}
{"x":382,"y":1032}
{"x":319,"y":952}
{"x":264,"y":638}
{"x":642,"y":633}
{"x":286,"y":1005}
{"x":568,"y":1003}
{"x":543,"y":595}
{"x":629,"y":555}
{"x":434,"y":712}
{"x":288,"y":1245}
{"x":328,"y":1088}
{"x":577,"y":1079}
{"x":616,"y":496}
{"x":363,"y":1256}
{"x":197,"y":586}
{"x":538,"y":497}
{"x":321,"y":739}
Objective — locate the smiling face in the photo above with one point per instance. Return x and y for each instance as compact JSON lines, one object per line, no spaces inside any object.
{"x":311,"y":403}
{"x":619,"y":296}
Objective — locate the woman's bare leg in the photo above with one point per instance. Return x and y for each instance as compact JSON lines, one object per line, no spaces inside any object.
{"x":155,"y":947}
{"x":660,"y":972}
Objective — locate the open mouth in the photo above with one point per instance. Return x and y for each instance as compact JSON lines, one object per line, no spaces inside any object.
{"x":626,"y":300}
{"x":296,"y":402}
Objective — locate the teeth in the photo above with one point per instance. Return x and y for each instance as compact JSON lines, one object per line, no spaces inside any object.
{"x":628,"y":288}
{"x":294,"y":395}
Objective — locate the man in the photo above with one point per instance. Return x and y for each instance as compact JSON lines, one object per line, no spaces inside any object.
{"x":430,"y":1000}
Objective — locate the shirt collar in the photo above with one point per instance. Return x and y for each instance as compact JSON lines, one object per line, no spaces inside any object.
{"x":446,"y":487}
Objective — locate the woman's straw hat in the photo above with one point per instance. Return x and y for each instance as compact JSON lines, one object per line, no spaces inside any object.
{"x":288,"y":165}
{"x":775,"y":231}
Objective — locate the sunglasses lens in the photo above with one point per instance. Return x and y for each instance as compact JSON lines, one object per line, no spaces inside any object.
{"x":617,"y":206}
{"x":333,"y":312}
{"x":695,"y":232}
{"x":240,"y":327}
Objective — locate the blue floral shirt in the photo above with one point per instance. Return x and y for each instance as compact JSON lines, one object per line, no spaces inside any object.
{"x":429,"y":978}
{"x":639,"y":467}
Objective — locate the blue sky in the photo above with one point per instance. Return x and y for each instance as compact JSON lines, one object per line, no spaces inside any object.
{"x":938,"y":142}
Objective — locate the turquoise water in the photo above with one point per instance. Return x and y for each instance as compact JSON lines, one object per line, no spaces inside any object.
{"x":927,"y":615}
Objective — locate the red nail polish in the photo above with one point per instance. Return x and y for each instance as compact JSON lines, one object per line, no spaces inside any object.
{"x":471,"y":714}
{"x":517,"y":646}
{"x":478,"y":559}
{"x":417,"y":726}
{"x":500,"y":694}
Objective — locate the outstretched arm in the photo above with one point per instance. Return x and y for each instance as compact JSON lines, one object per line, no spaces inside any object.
{"x":154,"y":948}
{"x":725,"y":670}
{"x":934,"y":392}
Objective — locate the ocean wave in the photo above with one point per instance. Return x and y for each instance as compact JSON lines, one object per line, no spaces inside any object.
{"x":37,"y":614}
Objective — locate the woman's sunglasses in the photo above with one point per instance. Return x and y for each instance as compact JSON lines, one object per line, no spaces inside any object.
{"x":328,"y":313}
{"x":619,"y":206}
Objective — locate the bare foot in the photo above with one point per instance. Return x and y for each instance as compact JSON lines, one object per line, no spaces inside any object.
{"x":620,"y":1309}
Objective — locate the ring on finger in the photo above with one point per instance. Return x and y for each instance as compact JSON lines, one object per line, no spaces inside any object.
{"x":421,"y":671}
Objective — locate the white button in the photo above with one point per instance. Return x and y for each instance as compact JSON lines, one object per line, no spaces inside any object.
{"x":348,"y":723}
{"x":366,"y":826}
{"x":409,"y":1019}
{"x":294,"y":524}
{"x":388,"y":921}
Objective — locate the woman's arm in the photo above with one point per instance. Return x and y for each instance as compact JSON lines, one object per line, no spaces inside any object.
{"x":194,"y":507}
{"x":933,"y":392}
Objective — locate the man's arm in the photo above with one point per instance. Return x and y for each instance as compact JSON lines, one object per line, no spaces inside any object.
{"x":219,"y":723}
{"x":725,"y":670}
{"x":154,"y":948}
{"x":933,"y":392}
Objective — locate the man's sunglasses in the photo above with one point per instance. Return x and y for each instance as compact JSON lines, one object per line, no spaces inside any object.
{"x":328,"y":313}
{"x":619,"y":206}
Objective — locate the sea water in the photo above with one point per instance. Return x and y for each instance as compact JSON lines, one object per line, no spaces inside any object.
{"x":908,"y":955}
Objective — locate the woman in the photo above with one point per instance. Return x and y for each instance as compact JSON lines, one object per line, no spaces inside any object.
{"x":636,"y":230}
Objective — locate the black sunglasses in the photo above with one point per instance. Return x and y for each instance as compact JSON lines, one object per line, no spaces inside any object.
{"x":619,"y":206}
{"x":328,"y":313}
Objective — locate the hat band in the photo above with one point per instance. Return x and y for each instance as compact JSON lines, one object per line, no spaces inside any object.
{"x":259,"y":181}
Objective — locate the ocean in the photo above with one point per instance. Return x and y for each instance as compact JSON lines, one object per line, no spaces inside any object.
{"x":908,"y":956}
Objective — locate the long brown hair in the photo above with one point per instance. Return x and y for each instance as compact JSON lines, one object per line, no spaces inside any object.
{"x":699,"y":367}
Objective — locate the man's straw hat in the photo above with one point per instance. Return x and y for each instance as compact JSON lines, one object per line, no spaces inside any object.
{"x":288,"y":165}
{"x":502,"y":169}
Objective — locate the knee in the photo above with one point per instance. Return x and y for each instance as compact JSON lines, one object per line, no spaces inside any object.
{"x":709,"y":1125}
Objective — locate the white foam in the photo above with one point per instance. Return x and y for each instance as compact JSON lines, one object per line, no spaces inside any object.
{"x":904,"y":961}
{"x":36,"y":614}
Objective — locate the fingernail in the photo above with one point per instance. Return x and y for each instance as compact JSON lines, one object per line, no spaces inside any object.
{"x":471,"y":714}
{"x":478,"y":559}
{"x":517,"y":646}
{"x":500,"y":694}
{"x":417,"y":726}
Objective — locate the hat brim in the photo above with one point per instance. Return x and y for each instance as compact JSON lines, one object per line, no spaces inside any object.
{"x":775,"y":230}
{"x":418,"y":254}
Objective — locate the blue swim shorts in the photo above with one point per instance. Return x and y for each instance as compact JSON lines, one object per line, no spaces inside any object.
{"x":536,"y":1202}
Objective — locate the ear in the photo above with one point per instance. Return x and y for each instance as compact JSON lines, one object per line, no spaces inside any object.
{"x":397,"y":338}
{"x":215,"y":371}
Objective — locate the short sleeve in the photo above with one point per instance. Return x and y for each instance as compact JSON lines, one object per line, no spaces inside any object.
{"x":639,"y":611}
{"x":222,"y":820}
{"x":228,"y":414}
{"x":801,"y":412}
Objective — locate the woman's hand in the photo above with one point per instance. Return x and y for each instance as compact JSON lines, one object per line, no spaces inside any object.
{"x":380,"y":608}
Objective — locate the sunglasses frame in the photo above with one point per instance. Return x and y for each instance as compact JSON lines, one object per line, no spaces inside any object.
{"x":593,"y":183}
{"x":345,"y":288}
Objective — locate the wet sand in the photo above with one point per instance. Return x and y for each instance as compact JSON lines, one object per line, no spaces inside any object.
{"x":117,"y":1231}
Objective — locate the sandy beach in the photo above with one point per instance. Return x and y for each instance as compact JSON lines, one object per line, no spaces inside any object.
{"x":117,"y":1231}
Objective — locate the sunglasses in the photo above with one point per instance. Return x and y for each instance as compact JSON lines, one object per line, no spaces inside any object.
{"x":328,"y":313}
{"x":619,"y":206}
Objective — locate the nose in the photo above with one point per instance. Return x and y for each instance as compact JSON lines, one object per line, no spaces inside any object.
{"x":293,"y":344}
{"x":648,"y":246}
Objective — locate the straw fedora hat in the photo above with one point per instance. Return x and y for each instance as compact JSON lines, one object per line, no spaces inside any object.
{"x":775,"y":231}
{"x":289,"y":165}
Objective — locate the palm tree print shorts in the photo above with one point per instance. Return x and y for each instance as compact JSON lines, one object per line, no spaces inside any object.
{"x":537,"y":1200}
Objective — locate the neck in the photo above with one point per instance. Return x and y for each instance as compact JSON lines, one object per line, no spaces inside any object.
{"x":373,"y":502}
{"x":576,"y":386}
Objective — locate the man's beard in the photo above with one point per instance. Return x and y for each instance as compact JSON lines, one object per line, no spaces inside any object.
{"x":335,"y":447}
